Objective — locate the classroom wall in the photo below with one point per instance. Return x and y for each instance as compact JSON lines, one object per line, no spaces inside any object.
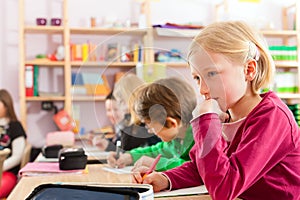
{"x":263,"y":14}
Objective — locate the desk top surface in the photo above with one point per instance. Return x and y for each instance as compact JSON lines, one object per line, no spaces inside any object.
{"x":96,"y":175}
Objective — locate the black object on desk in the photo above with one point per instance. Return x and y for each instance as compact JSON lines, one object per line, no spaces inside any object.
{"x":51,"y":151}
{"x":72,"y":158}
{"x":63,"y":192}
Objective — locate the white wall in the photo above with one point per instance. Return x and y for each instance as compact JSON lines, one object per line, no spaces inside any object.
{"x":177,"y":11}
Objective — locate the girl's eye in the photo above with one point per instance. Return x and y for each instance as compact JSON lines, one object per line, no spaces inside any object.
{"x":213,"y":73}
{"x":196,"y":78}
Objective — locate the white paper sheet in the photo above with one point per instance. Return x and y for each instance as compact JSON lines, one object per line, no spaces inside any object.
{"x":181,"y":192}
{"x":125,"y":170}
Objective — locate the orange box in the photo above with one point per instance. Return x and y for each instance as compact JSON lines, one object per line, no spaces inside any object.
{"x":98,"y":89}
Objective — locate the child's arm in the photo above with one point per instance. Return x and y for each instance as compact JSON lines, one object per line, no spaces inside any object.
{"x":18,"y":146}
{"x":124,"y":159}
{"x":151,"y":151}
{"x":265,"y":141}
{"x":186,"y":175}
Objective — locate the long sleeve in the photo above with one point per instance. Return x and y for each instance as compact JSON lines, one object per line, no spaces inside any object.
{"x":263,"y":144}
{"x":174,"y":153}
{"x":18,"y":146}
{"x":186,"y":175}
{"x":261,"y":162}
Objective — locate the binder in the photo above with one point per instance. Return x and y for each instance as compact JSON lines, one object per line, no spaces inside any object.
{"x":36,"y":80}
{"x":29,"y":80}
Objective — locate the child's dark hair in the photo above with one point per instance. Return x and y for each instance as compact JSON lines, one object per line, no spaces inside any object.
{"x":168,"y":97}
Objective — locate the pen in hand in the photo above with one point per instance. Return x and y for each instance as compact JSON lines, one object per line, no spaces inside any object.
{"x":118,"y":149}
{"x":152,"y":167}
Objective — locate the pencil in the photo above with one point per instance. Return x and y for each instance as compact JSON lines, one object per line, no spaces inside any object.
{"x":152,"y":167}
{"x":118,"y":149}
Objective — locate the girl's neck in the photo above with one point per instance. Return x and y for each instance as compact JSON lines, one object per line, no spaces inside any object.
{"x":244,"y":106}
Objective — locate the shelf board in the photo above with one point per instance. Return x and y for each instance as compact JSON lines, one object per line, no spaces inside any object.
{"x":286,"y":64}
{"x":289,"y":95}
{"x":173,"y":64}
{"x":102,"y":64}
{"x":108,"y":31}
{"x":45,"y":63}
{"x":88,"y":98}
{"x":48,"y":98}
{"x":279,"y":33}
{"x":179,"y":33}
{"x":44,"y":29}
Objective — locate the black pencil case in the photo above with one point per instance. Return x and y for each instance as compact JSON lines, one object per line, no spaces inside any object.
{"x":51,"y":151}
{"x":63,"y":192}
{"x":72,"y":158}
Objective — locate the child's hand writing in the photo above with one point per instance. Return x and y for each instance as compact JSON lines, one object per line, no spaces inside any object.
{"x":156,"y":179}
{"x":143,"y":161}
{"x":138,"y":173}
{"x":124,"y":159}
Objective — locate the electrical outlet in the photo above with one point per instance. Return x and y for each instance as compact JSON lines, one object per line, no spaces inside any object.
{"x":47,"y":105}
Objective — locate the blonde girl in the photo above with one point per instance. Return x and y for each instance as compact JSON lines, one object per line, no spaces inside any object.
{"x":247,"y":144}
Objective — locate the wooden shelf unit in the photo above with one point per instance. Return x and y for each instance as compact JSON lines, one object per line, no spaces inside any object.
{"x":145,"y":36}
{"x":286,"y":35}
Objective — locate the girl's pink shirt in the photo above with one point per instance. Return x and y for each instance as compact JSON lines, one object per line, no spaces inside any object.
{"x":261,"y":162}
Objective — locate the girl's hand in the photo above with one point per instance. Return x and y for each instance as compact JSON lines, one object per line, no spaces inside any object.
{"x":156,"y":179}
{"x":124,"y":159}
{"x":138,"y":173}
{"x":210,"y":106}
{"x":143,"y":161}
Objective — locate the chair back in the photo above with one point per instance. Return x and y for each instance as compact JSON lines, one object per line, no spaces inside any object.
{"x":65,"y":138}
{"x":26,"y":155}
{"x":3,"y":155}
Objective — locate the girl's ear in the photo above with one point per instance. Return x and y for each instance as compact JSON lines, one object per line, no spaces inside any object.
{"x":171,"y":123}
{"x":250,"y":69}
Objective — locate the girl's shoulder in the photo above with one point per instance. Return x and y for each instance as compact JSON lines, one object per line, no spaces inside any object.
{"x":274,"y":112}
{"x":16,"y":129}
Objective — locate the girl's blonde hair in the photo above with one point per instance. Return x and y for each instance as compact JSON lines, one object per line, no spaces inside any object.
{"x":125,"y":87}
{"x":167,"y":97}
{"x":239,"y":43}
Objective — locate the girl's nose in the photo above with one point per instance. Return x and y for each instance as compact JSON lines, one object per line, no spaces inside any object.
{"x":203,"y":88}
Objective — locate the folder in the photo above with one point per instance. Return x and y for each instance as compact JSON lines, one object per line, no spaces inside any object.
{"x":29,"y":80}
{"x":44,"y":168}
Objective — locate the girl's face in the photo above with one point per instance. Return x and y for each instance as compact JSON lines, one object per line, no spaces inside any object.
{"x":218,"y":78}
{"x":114,"y":114}
{"x":2,"y":110}
{"x":164,"y":133}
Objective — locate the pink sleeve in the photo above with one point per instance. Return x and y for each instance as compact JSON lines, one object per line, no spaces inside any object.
{"x":260,"y":148}
{"x":186,"y":175}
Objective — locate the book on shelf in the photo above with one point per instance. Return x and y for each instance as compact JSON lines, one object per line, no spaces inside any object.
{"x":29,"y":80}
{"x":35,"y":80}
{"x":138,"y":53}
{"x":87,"y":83}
